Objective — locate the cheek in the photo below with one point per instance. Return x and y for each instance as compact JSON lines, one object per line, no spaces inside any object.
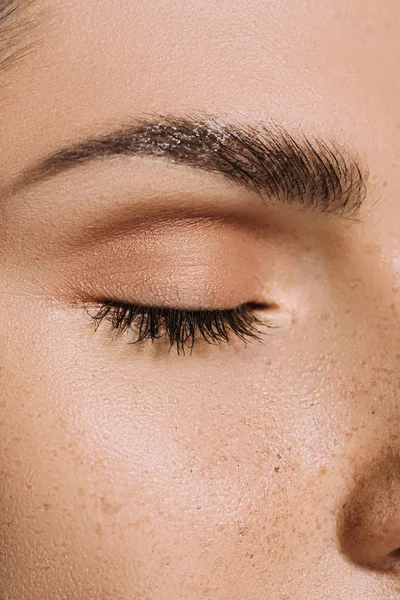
{"x":122,"y":473}
{"x":114,"y":469}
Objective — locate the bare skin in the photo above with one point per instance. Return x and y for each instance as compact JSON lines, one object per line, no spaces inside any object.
{"x":258,"y":471}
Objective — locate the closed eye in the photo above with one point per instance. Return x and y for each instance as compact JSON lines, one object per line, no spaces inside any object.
{"x":182,"y":328}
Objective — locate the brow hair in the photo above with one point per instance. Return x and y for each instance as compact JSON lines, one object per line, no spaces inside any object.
{"x":265,"y":158}
{"x":17,"y":22}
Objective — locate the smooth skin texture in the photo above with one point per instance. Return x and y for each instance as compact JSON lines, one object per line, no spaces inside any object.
{"x":261,"y":472}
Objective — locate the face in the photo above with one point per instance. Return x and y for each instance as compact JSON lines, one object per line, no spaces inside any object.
{"x":181,"y":173}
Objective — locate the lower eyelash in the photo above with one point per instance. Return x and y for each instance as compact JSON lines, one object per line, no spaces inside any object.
{"x":183,"y":328}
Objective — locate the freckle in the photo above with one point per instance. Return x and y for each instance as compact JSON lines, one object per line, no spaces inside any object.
{"x":276,"y":469}
{"x":384,"y":184}
{"x":99,"y":531}
{"x":243,"y":531}
{"x":80,"y":491}
{"x":322,"y":470}
{"x":46,"y":506}
{"x":109,"y":509}
{"x":279,"y":456}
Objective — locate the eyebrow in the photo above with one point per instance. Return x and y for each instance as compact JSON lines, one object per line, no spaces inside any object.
{"x":312,"y":172}
{"x":18,"y":21}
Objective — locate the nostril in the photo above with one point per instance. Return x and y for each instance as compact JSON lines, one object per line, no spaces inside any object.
{"x":368,"y":522}
{"x":392,"y":562}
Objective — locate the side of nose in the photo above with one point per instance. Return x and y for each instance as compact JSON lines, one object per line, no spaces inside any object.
{"x":368,"y":523}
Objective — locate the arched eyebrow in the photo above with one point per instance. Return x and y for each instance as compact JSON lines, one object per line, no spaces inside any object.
{"x":266,"y":159}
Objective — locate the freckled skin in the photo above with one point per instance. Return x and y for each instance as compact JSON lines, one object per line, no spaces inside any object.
{"x":257,"y":473}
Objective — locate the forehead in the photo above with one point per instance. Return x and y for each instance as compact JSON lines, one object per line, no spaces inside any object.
{"x":96,"y":63}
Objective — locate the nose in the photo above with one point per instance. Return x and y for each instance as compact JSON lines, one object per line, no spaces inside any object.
{"x":369,"y":519}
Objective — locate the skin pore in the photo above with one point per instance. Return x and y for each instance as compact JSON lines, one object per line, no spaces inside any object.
{"x":200,"y":156}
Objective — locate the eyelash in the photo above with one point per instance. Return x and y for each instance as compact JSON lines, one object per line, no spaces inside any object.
{"x":183,"y":328}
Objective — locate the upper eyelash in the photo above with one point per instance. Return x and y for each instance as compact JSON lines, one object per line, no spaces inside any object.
{"x":184,"y":328}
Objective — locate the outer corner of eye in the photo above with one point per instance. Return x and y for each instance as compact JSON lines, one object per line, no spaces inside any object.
{"x":283,"y":318}
{"x":90,"y":308}
{"x":278,"y":316}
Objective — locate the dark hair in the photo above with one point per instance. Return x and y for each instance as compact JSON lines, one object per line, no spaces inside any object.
{"x":18,"y":19}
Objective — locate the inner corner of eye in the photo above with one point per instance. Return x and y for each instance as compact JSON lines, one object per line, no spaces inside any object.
{"x":263,"y":305}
